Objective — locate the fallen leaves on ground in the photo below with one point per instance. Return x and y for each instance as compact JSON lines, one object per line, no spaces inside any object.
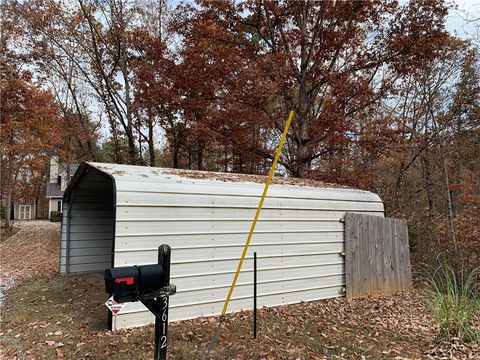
{"x":49,"y":316}
{"x":34,"y":249}
{"x":454,"y":350}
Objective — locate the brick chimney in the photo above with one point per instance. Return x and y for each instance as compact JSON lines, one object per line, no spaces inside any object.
{"x":54,"y":169}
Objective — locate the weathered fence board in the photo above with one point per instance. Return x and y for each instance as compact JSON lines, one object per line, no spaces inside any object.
{"x":377,"y":257}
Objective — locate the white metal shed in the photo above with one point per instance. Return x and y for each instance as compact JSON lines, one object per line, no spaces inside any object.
{"x":118,"y":215}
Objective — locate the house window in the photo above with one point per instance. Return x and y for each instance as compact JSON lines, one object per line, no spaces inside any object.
{"x":59,"y":205}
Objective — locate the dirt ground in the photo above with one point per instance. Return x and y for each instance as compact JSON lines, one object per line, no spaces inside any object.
{"x":48,"y":316}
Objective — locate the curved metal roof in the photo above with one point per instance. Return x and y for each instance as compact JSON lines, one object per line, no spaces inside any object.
{"x":153,"y":179}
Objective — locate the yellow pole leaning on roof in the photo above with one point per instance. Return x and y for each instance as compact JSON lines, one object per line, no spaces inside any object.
{"x":259,"y":208}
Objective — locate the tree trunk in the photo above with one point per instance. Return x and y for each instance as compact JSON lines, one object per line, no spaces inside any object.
{"x":303,"y":164}
{"x":151,"y":149}
{"x":140,"y":160}
{"x":302,"y":141}
{"x":117,"y":153}
{"x":448,"y":195}
{"x":128,"y":105}
{"x":304,"y":105}
{"x":200,"y":148}
{"x":225,"y":159}
{"x":398,"y":184}
{"x":175,"y":155}
{"x":9,"y":192}
{"x":131,"y":141}
{"x":36,"y":208}
{"x":427,"y":177}
{"x":240,"y":162}
{"x":450,"y":209}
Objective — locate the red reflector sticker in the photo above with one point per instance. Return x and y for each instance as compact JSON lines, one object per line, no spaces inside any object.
{"x":128,"y":280}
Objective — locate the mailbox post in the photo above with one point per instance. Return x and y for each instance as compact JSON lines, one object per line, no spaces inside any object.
{"x":149,"y":284}
{"x":159,"y":307}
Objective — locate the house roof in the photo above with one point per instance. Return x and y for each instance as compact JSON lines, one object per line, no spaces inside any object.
{"x":54,"y":190}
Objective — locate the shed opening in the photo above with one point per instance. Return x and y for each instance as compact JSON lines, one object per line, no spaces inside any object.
{"x":89,"y":222}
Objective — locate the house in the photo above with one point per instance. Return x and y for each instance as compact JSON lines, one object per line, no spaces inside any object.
{"x":118,"y":215}
{"x":59,"y":177}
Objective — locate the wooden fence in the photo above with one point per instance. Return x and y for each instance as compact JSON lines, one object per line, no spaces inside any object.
{"x":377,"y":257}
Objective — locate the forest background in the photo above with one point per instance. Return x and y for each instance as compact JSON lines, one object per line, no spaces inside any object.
{"x":385,"y":98}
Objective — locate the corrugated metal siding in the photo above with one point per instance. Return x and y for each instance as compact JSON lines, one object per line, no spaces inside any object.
{"x":299,"y":239}
{"x":63,"y":240}
{"x":90,"y":226}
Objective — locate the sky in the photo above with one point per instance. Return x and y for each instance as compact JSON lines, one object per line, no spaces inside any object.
{"x":465,"y":20}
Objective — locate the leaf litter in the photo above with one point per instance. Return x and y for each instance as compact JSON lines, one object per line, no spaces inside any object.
{"x":43,"y":318}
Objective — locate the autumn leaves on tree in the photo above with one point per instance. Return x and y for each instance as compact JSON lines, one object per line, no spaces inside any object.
{"x":30,"y":124}
{"x":385,"y":98}
{"x":218,"y":76}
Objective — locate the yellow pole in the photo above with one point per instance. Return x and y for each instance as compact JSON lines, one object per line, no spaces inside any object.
{"x":259,"y":208}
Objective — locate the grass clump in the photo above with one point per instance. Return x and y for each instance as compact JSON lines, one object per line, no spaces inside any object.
{"x":453,"y":298}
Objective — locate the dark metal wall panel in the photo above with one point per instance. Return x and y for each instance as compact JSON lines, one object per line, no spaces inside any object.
{"x":63,"y":241}
{"x":91,"y":225}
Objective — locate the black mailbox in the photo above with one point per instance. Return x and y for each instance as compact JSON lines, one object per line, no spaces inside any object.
{"x":149,"y":284}
{"x":132,"y":282}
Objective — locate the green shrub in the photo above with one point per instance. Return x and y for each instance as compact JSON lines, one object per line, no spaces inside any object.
{"x":55,"y":216}
{"x":453,"y":297}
